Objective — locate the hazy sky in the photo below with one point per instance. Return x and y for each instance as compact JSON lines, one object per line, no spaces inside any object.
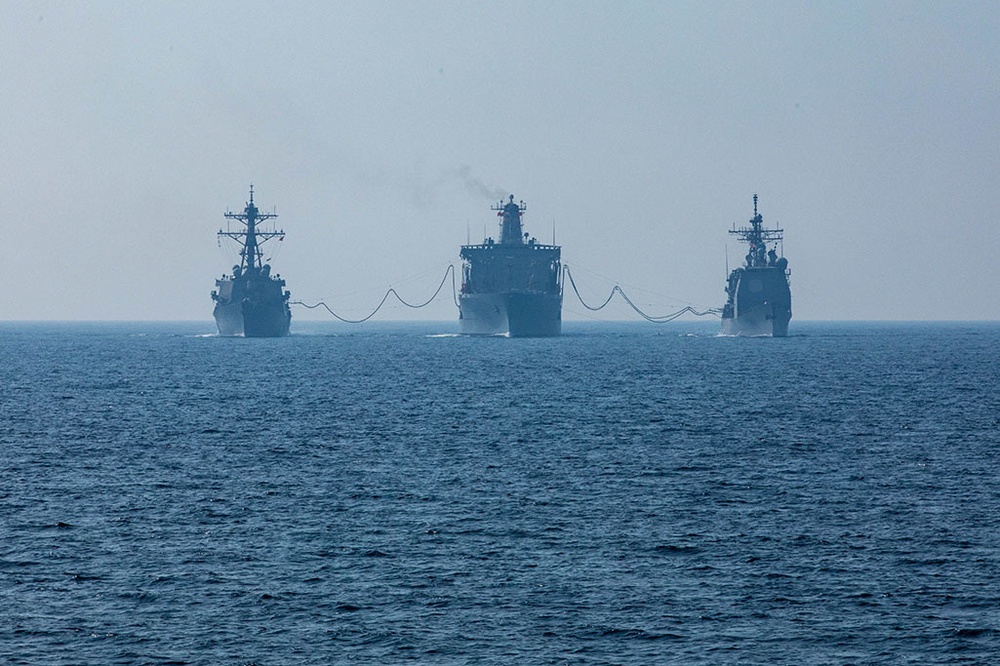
{"x":383,"y":131}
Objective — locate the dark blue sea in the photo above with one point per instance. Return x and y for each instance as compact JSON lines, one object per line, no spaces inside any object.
{"x":628,"y":493}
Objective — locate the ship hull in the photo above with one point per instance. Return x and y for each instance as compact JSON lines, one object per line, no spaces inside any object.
{"x":757,"y":322}
{"x":229,"y":318}
{"x":760,"y":303}
{"x":252,"y":321}
{"x":513,"y":314}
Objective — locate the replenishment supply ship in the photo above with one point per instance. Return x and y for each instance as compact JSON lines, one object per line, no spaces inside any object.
{"x":512,"y":286}
{"x":251,"y":302}
{"x":759,"y":299}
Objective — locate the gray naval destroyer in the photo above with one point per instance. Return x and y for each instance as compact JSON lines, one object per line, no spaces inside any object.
{"x":512,"y":287}
{"x":760,"y":301}
{"x":251,"y":302}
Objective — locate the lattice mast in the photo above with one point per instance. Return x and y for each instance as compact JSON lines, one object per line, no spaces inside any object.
{"x":251,"y":238}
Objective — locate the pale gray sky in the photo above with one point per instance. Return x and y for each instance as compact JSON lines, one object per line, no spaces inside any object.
{"x":382,"y":131}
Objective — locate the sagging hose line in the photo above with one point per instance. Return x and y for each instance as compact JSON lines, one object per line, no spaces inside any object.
{"x":391,"y":292}
{"x":663,"y":319}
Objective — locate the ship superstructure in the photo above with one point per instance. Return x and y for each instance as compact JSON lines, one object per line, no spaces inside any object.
{"x":512,"y":286}
{"x":250,"y":301}
{"x":759,"y":299}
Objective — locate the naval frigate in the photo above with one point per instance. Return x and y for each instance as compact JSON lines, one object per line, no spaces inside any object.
{"x":250,"y":301}
{"x":512,"y":286}
{"x":759,"y":299}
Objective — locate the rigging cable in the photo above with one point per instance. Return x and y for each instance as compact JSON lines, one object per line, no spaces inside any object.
{"x":391,"y":292}
{"x":651,"y":318}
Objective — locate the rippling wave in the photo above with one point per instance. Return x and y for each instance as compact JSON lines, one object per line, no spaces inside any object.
{"x":622,"y":494}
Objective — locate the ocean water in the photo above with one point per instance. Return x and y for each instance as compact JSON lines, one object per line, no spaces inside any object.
{"x":623,"y":494}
